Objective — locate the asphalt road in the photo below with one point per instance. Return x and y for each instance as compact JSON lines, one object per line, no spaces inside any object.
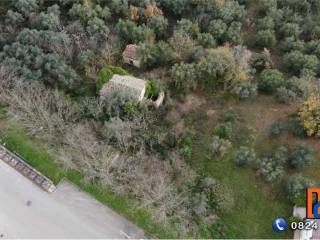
{"x":26,"y":211}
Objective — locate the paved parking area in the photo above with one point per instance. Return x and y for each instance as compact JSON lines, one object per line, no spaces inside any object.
{"x":27,"y":211}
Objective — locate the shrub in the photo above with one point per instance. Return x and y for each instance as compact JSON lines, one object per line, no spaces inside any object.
{"x":129,"y":32}
{"x":117,"y":70}
{"x":200,"y":205}
{"x":152,"y":90}
{"x":14,"y":18}
{"x":152,"y":55}
{"x":119,"y":7}
{"x":104,"y":76}
{"x":217,"y":28}
{"x":311,"y":63}
{"x":284,"y":95}
{"x":117,"y":104}
{"x":97,"y":26}
{"x":281,"y":154}
{"x":206,"y":40}
{"x":296,"y":62}
{"x":266,"y":23}
{"x":107,"y":73}
{"x":244,"y":156}
{"x":177,"y":7}
{"x":223,"y":130}
{"x":49,"y":20}
{"x":229,"y":116}
{"x":313,"y":47}
{"x":184,"y":76}
{"x":275,"y":129}
{"x":221,"y":197}
{"x":165,"y":54}
{"x":296,"y":187}
{"x":270,"y":80}
{"x":299,"y":86}
{"x":294,"y":89}
{"x":85,"y":57}
{"x":310,"y":115}
{"x":196,"y":54}
{"x":301,"y":156}
{"x":32,"y":63}
{"x":245,"y":90}
{"x":290,"y":30}
{"x":59,"y":43}
{"x":182,"y":45}
{"x":265,"y":6}
{"x":159,"y":25}
{"x":261,"y":62}
{"x":219,"y":147}
{"x":292,"y":44}
{"x":224,"y":66}
{"x":187,"y":27}
{"x":185,"y":151}
{"x":233,"y":34}
{"x":103,"y":13}
{"x":81,"y":12}
{"x":148,"y":54}
{"x":272,"y":167}
{"x":296,"y":127}
{"x":26,"y":6}
{"x":311,"y":29}
{"x":265,"y":39}
{"x":185,"y":147}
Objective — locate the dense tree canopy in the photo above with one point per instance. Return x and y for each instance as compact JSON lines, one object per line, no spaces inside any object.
{"x":203,"y":57}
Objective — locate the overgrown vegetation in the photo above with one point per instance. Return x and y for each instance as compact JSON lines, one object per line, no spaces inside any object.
{"x":179,"y":161}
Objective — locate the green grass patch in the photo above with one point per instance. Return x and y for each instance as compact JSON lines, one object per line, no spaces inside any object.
{"x":18,"y":143}
{"x":256,"y":207}
{"x":257,"y":202}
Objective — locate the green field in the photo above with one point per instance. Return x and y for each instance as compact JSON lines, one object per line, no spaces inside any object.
{"x":257,"y":202}
{"x":256,"y":207}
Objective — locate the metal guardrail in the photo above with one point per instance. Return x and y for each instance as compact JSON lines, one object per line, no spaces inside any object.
{"x":25,"y":169}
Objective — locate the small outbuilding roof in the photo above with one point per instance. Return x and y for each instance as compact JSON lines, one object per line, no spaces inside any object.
{"x":130,"y":52}
{"x":135,"y":87}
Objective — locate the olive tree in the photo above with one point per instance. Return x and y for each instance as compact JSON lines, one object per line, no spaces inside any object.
{"x":301,"y":156}
{"x":184,"y":77}
{"x":265,"y":39}
{"x":26,"y":6}
{"x":296,"y":187}
{"x":270,"y":80}
{"x":244,"y":156}
{"x":159,"y":25}
{"x":296,"y":62}
{"x":129,"y":32}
